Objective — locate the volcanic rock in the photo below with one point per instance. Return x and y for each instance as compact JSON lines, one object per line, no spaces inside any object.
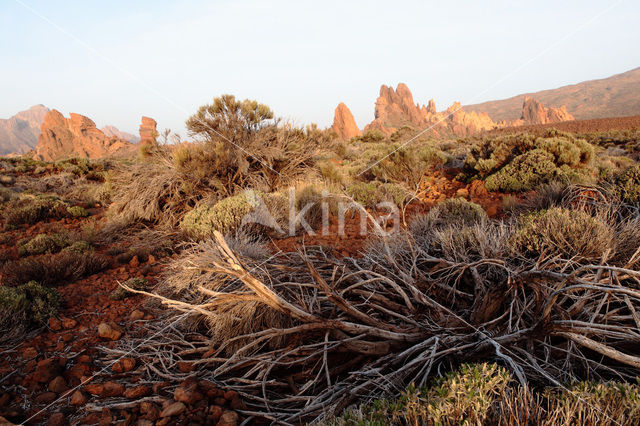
{"x":76,"y":136}
{"x":20,"y":133}
{"x":396,"y":109}
{"x":344,"y":124}
{"x":148,"y":130}
{"x":109,"y":331}
{"x":113,"y":131}
{"x":533,"y":112}
{"x":173,"y":409}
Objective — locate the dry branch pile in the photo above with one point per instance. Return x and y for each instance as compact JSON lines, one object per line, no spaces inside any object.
{"x":325,"y":333}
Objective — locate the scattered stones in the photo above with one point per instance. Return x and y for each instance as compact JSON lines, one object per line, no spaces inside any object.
{"x":187,"y":393}
{"x":45,"y":398}
{"x":173,"y":409}
{"x":94,"y":389}
{"x":137,"y":392}
{"x":229,"y":418}
{"x":112,"y":389}
{"x":110,"y":331}
{"x":58,"y":385}
{"x":124,"y":365}
{"x":69,"y":323}
{"x":136,"y":315}
{"x":57,"y":419}
{"x":55,"y":324}
{"x":29,"y":353}
{"x":46,"y":370}
{"x":78,"y":398}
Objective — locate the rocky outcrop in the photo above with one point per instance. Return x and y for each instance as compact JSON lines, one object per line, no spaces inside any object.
{"x":396,"y":109}
{"x":20,"y":133}
{"x":533,"y":112}
{"x":148,"y":130}
{"x":76,"y":136}
{"x":115,"y":132}
{"x":344,"y":124}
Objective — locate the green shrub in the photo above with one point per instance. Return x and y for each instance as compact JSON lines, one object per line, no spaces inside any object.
{"x":370,"y":194}
{"x":77,"y":211}
{"x":516,"y":163}
{"x":224,"y":216}
{"x":396,"y":163}
{"x":454,"y":211}
{"x":81,"y":246}
{"x":120,"y":293}
{"x":33,"y":210}
{"x":6,"y":194}
{"x":42,"y":243}
{"x":371,"y":136}
{"x":29,"y":303}
{"x":52,"y":270}
{"x":628,"y":184}
{"x":562,"y":232}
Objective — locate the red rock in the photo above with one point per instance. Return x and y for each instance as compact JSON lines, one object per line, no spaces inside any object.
{"x":46,"y":370}
{"x":110,"y":331}
{"x":533,"y":112}
{"x":134,"y":262}
{"x":185,"y":367}
{"x":215,"y":412}
{"x":29,"y":352}
{"x":76,"y":136}
{"x":112,"y":389}
{"x":55,"y":324}
{"x":68,"y":323}
{"x":58,"y":385}
{"x":173,"y":409}
{"x":344,"y":124}
{"x":45,"y":398}
{"x":94,"y":389}
{"x":158,"y":387}
{"x":237,"y":404}
{"x":124,"y":365}
{"x":229,"y":418}
{"x":136,"y":315}
{"x":147,"y":131}
{"x":57,"y":419}
{"x":78,"y":398}
{"x":187,"y":393}
{"x":137,"y":392}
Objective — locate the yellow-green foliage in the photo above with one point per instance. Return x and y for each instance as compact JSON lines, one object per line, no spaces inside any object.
{"x":30,"y":210}
{"x":30,"y":303}
{"x":43,"y":243}
{"x":562,"y":232}
{"x":485,"y":394}
{"x":224,"y":216}
{"x":370,"y":136}
{"x":520,"y":162}
{"x":370,"y":194}
{"x":453,"y":211}
{"x":121,"y":293}
{"x":77,"y":211}
{"x":628,"y":184}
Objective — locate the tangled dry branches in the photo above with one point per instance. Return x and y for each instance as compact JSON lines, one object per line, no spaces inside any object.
{"x":347,"y":330}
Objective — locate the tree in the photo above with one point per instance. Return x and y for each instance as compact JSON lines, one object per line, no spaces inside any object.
{"x":230,"y":120}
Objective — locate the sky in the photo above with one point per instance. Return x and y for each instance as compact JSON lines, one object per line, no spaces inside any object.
{"x":118,"y":60}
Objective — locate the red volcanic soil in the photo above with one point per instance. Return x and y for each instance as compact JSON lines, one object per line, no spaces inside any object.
{"x":578,"y":126}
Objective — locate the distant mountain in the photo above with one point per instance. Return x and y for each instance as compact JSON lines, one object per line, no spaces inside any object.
{"x":113,"y":131}
{"x":20,"y":133}
{"x":615,"y":96}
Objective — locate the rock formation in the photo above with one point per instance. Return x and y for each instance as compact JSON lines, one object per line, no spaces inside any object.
{"x":396,"y":108}
{"x":114,"y":131}
{"x":344,"y":124}
{"x":533,"y":112}
{"x":19,"y":133}
{"x":148,"y":130}
{"x":76,"y":136}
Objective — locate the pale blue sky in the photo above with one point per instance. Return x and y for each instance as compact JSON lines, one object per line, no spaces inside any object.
{"x":164,"y":58}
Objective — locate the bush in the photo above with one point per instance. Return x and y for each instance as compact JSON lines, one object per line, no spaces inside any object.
{"x":516,"y":163}
{"x":454,"y":211}
{"x":370,"y":136}
{"x":524,"y":173}
{"x":33,"y":210}
{"x":224,"y":216}
{"x":77,"y":211}
{"x":52,"y":270}
{"x":628,"y":184}
{"x":562,"y":232}
{"x":120,"y":293}
{"x":30,"y":304}
{"x":370,"y":194}
{"x":42,"y":243}
{"x":396,"y":163}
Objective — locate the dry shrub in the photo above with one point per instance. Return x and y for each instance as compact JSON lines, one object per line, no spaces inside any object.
{"x":52,"y":270}
{"x":30,"y":210}
{"x":194,"y":277}
{"x":563,"y":232}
